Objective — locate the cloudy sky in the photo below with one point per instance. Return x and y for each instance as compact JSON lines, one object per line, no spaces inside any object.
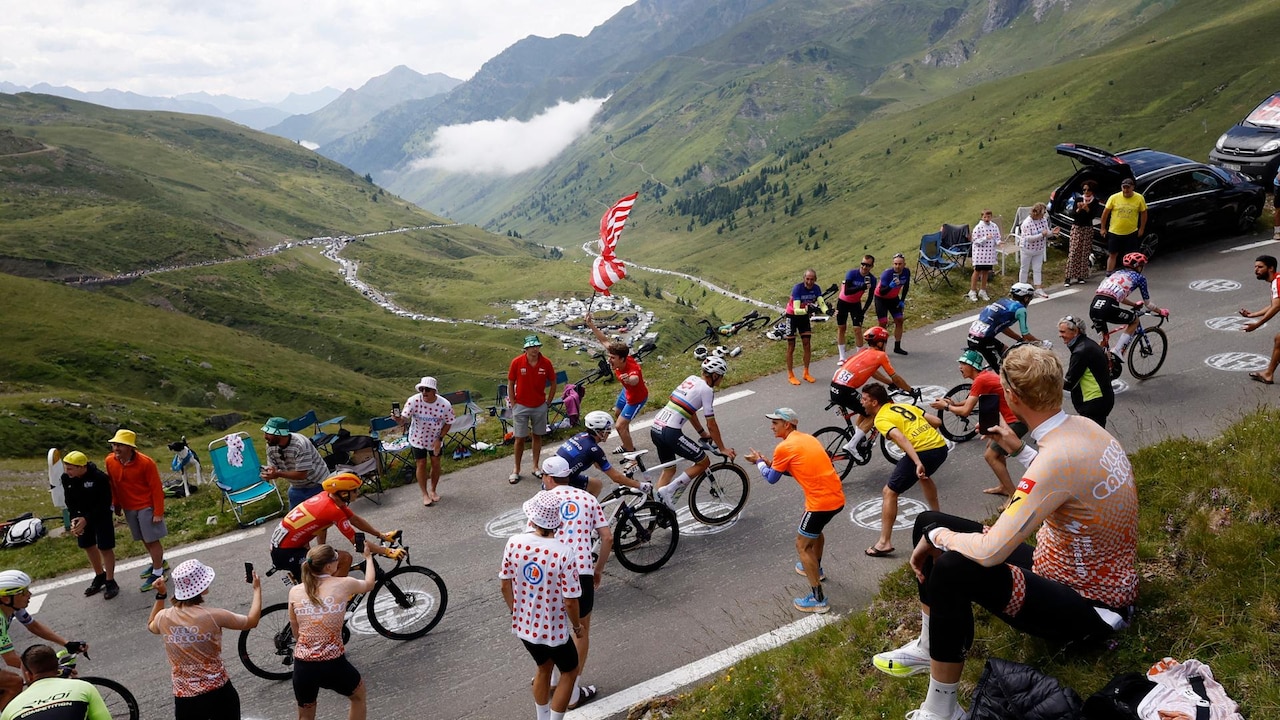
{"x":265,"y":49}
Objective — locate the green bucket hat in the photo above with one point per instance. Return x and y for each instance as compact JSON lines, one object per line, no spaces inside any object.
{"x":532,"y":341}
{"x":276,"y":426}
{"x":973,"y":358}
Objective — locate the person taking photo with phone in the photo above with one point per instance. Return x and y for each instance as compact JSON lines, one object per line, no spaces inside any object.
{"x":985,"y":382}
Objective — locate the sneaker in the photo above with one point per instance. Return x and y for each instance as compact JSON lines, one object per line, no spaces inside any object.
{"x":808,"y":378}
{"x":822,"y":574}
{"x":791,"y":378}
{"x":897,"y":349}
{"x":110,"y":590}
{"x":1067,"y":283}
{"x":146,"y":571}
{"x":973,"y":297}
{"x":1276,"y":235}
{"x":983,"y":295}
{"x":921,"y":714}
{"x":95,"y":587}
{"x":619,"y":450}
{"x":906,"y":661}
{"x":149,"y":583}
{"x":457,"y":454}
{"x":1041,"y":293}
{"x":809,"y":603}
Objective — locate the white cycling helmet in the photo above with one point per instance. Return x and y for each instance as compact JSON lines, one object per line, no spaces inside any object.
{"x":1022,"y":290}
{"x":700,"y":352}
{"x":715,"y":365}
{"x":598,"y":421}
{"x":13,"y":582}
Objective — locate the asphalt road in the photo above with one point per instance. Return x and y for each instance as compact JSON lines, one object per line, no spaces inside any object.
{"x":722,"y":588}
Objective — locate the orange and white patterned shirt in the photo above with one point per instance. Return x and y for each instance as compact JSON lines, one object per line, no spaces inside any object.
{"x":320,"y":626}
{"x":1080,"y":492}
{"x":193,"y":641}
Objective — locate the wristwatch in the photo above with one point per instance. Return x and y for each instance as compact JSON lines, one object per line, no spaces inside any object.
{"x":162,"y":596}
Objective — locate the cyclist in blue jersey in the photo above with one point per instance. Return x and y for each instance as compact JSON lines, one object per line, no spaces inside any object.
{"x":583,"y":450}
{"x":1113,"y":294}
{"x":696,"y":394}
{"x":999,"y":317}
{"x":805,"y":300}
{"x":15,"y":594}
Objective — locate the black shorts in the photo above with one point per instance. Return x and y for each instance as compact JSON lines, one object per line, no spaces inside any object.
{"x":424,"y":453}
{"x":797,"y":325}
{"x":564,"y":656}
{"x":1122,"y":244}
{"x":338,"y":675}
{"x":670,"y":442}
{"x":1107,"y":309}
{"x":886,"y":307}
{"x":983,"y":268}
{"x":813,"y":521}
{"x":579,"y":481}
{"x":99,"y":531}
{"x":587,"y":600}
{"x":220,"y":704}
{"x":846,"y":311}
{"x":289,"y":559}
{"x":904,"y":473}
{"x":847,"y":397}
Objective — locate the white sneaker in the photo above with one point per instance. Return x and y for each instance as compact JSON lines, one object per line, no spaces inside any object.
{"x":983,"y":295}
{"x":1276,"y":236}
{"x":973,"y":297}
{"x":666,"y":497}
{"x":921,"y":714}
{"x":1041,"y":293}
{"x":906,"y":661}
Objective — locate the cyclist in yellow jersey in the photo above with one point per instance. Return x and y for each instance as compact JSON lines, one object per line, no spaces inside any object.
{"x":915,"y":431}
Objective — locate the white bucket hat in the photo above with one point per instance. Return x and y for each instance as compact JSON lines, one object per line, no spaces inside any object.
{"x":543,"y":510}
{"x":190,"y":579}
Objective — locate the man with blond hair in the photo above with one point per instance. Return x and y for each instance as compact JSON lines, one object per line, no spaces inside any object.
{"x":1080,"y":580}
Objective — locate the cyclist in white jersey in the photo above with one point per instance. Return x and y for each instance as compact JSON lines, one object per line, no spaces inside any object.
{"x":696,"y":394}
{"x":1112,"y":296}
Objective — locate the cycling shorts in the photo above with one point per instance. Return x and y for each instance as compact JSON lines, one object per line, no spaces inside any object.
{"x":886,"y":307}
{"x":797,"y":325}
{"x":626,"y":410}
{"x":847,"y":397}
{"x":564,"y":655}
{"x":220,"y":704}
{"x":587,"y":600}
{"x":289,"y":559}
{"x":1107,"y":309}
{"x":338,"y":675}
{"x":991,"y":350}
{"x":670,"y":442}
{"x":424,"y":453}
{"x":846,"y":310}
{"x":579,"y":481}
{"x":814,"y":521}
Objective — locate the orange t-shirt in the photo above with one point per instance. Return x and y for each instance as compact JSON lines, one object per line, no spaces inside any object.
{"x":320,"y":626}
{"x":804,"y":458}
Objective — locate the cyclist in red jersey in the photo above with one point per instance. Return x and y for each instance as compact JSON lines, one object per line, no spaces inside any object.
{"x":872,"y":363}
{"x":290,"y":541}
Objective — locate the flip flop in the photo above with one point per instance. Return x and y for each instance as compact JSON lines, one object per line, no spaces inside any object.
{"x":874,"y":551}
{"x":513,"y":478}
{"x":586,"y":693}
{"x":1259,"y":378}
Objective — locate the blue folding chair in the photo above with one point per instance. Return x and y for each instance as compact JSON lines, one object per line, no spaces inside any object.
{"x":241,"y":481}
{"x":311,"y":426}
{"x":933,"y":265}
{"x":393,"y":445}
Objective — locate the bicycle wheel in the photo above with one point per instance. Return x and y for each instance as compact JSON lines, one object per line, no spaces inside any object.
{"x":1147,"y":352}
{"x":758,"y":323}
{"x":267,"y":650}
{"x":719,"y":494}
{"x":833,"y":439}
{"x":956,"y":428}
{"x":121,"y":704}
{"x":407,"y":602}
{"x":645,"y":538}
{"x":890,"y":450}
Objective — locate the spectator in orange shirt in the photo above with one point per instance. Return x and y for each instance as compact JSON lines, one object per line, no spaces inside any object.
{"x":136,"y":493}
{"x":531,"y":383}
{"x":803,"y":457}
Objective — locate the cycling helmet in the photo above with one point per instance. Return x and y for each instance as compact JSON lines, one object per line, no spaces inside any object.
{"x":1021,"y":291}
{"x":13,"y":582}
{"x":1135,"y":260}
{"x":598,"y":421}
{"x":715,"y":365}
{"x":700,"y":352}
{"x":876,"y":334}
{"x":342,"y":482}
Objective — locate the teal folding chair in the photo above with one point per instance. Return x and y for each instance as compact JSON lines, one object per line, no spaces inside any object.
{"x":238,"y":476}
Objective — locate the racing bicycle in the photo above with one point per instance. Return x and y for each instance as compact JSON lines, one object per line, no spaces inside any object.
{"x":834,"y":438}
{"x":645,"y":532}
{"x":751,"y":321}
{"x":406,"y":603}
{"x":121,"y":704}
{"x":1147,"y":349}
{"x":715,"y":497}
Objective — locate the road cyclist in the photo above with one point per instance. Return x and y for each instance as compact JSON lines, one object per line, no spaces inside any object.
{"x":15,"y":596}
{"x":856,"y":371}
{"x":332,"y":507}
{"x":1111,"y":303}
{"x":634,"y":393}
{"x":583,"y":450}
{"x":695,"y":395}
{"x":49,"y":695}
{"x":999,"y":318}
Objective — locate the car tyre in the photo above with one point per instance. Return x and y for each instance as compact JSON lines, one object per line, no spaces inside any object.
{"x":1248,"y":219}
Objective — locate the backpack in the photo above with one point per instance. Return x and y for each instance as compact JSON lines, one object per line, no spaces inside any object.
{"x":24,"y":532}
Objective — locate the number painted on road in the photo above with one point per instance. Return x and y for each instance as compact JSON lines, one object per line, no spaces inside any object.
{"x":1118,"y":386}
{"x":867,"y":514}
{"x":1237,"y":362}
{"x":1214,"y":285}
{"x":1230,"y":323}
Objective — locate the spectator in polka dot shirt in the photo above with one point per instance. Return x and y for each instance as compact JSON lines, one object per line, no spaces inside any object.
{"x":539,"y":578}
{"x":429,"y":418}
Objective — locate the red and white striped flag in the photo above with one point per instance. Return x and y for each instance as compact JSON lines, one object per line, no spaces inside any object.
{"x":605,"y":272}
{"x":611,"y":224}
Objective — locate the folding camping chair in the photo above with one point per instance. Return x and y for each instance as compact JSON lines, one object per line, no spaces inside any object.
{"x":314,"y":428}
{"x":462,"y":433}
{"x":393,"y":444}
{"x":956,"y":243}
{"x":1011,"y":244}
{"x":361,"y":458}
{"x":933,"y":265}
{"x":237,"y":473}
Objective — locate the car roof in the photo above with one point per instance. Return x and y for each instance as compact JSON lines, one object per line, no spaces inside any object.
{"x":1141,"y":161}
{"x":1145,"y":161}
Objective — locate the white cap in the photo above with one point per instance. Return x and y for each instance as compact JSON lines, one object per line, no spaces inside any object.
{"x":555,"y":466}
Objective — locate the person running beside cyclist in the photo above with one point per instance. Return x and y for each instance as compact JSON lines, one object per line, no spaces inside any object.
{"x":317,"y":612}
{"x":924,"y":450}
{"x":581,"y":518}
{"x":849,"y":304}
{"x":192,"y":635}
{"x":801,"y":456}
{"x":999,"y":317}
{"x":891,"y":298}
{"x":330,"y":508}
{"x":1113,"y":294}
{"x":804,"y":301}
{"x":696,"y":394}
{"x":1078,"y":583}
{"x":49,"y":696}
{"x":852,"y":374}
{"x":1264,"y":268}
{"x":540,"y":585}
{"x":1088,"y":376}
{"x":634,"y":393}
{"x":985,"y":382}
{"x":87,"y":491}
{"x":15,"y":595}
{"x":583,"y":450}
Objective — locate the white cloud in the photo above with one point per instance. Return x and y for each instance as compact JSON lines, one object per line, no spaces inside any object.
{"x":507,"y":147}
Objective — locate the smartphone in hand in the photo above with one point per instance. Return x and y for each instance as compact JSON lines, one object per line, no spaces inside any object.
{"x":248,"y":572}
{"x":988,"y":412}
{"x":395,"y":409}
{"x":360,"y":543}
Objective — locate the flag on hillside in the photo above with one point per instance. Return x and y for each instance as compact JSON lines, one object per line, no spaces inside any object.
{"x":607,"y":269}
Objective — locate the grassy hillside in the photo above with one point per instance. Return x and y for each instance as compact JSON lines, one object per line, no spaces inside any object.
{"x":87,"y":190}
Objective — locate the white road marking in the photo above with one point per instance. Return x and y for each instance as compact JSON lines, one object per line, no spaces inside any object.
{"x":637,"y":426}
{"x":621,"y":701}
{"x":134,"y":564}
{"x":1250,"y":246}
{"x":34,"y":605}
{"x":1215,"y":285}
{"x":1237,"y":361}
{"x":962,"y":322}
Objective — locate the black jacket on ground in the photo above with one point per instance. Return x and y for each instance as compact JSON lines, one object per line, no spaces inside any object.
{"x":1012,"y":691}
{"x":89,"y":494}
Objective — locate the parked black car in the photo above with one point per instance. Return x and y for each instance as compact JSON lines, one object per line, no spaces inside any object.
{"x":1252,"y":146}
{"x":1185,"y":199}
